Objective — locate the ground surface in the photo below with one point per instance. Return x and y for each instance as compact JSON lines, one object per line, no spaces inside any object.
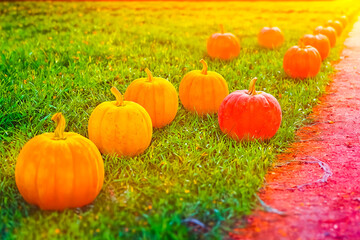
{"x":321,"y":209}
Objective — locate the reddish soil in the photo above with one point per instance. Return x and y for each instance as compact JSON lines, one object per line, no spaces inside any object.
{"x":317,"y":183}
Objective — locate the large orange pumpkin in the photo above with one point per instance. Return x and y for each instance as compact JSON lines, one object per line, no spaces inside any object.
{"x":336,"y":25}
{"x":249,"y":115}
{"x":120,"y":127}
{"x":302,"y":61}
{"x":202,"y":91}
{"x":318,"y":41}
{"x":330,"y":32}
{"x":223,"y":45}
{"x":270,"y":37}
{"x":157,"y":95}
{"x":59,"y":170}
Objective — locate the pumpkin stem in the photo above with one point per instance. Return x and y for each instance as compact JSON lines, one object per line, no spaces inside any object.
{"x":222,"y":28}
{"x":117,"y":94}
{"x":252,"y":87}
{"x":149,"y":74}
{"x":60,"y":122}
{"x":205,"y":67}
{"x":301,"y":43}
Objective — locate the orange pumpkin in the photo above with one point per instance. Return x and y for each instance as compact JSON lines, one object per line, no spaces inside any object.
{"x":202,"y":91}
{"x":120,"y":127}
{"x":157,"y":95}
{"x":330,"y":32}
{"x":336,"y":25}
{"x":270,"y":37}
{"x":343,"y":20}
{"x":249,"y":115}
{"x":318,"y":41}
{"x":59,"y":170}
{"x":223,"y":45}
{"x":302,"y":61}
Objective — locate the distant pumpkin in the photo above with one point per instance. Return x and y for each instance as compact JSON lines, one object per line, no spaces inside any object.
{"x":270,"y":37}
{"x":318,"y":41}
{"x":250,"y":114}
{"x":157,"y":95}
{"x":336,"y":25}
{"x":302,"y":61}
{"x":223,"y":45}
{"x":202,"y":91}
{"x":59,"y":170}
{"x":120,"y":127}
{"x":330,"y":32}
{"x":344,"y":20}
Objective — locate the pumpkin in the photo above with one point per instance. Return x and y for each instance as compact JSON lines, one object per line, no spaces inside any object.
{"x":250,"y":114}
{"x":330,"y":32}
{"x":202,"y":91}
{"x":270,"y":37}
{"x":157,"y":95}
{"x":318,"y":41}
{"x":336,"y":25}
{"x":121,"y":128}
{"x":302,"y":61}
{"x":343,"y":20}
{"x":223,"y":45}
{"x":59,"y":170}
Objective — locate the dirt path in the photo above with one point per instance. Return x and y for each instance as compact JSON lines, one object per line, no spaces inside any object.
{"x":329,"y":150}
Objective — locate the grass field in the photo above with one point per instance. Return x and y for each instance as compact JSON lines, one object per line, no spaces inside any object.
{"x":64,"y":57}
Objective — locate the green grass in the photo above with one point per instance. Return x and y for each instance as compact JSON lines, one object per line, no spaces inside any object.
{"x":64,"y":57}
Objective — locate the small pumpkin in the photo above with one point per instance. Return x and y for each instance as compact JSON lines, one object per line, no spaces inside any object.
{"x":270,"y":37}
{"x":223,"y":45}
{"x":336,"y":25}
{"x":250,"y":114}
{"x":120,"y":127}
{"x":202,"y":91}
{"x":59,"y":170}
{"x":344,"y":20}
{"x":330,"y":32}
{"x":318,"y":41}
{"x":302,"y":61}
{"x":157,"y":95}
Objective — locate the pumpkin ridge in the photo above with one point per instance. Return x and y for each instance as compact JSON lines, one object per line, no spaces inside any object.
{"x":90,"y":174}
{"x":163,"y":109}
{"x":65,"y":145}
{"x":92,"y":147}
{"x":148,"y":125}
{"x":37,"y":176}
{"x":190,"y":96}
{"x":214,"y":98}
{"x":44,"y":161}
{"x":100,"y":135}
{"x":154,"y":104}
{"x":73,"y":168}
{"x":76,"y":161}
{"x":42,"y":141}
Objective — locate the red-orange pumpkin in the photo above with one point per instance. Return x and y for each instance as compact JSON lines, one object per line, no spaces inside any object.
{"x":318,"y":41}
{"x":302,"y":61}
{"x":202,"y":91}
{"x":157,"y":95}
{"x":59,"y":170}
{"x":249,"y":115}
{"x":336,"y":25}
{"x":270,"y":37}
{"x":330,"y":32}
{"x":223,"y":45}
